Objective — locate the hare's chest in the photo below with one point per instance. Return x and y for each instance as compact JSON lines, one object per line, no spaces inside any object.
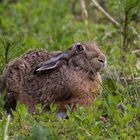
{"x":79,"y":83}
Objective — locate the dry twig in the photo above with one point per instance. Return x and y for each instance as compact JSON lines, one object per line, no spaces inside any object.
{"x":84,"y":14}
{"x":84,"y":10}
{"x":105,"y":13}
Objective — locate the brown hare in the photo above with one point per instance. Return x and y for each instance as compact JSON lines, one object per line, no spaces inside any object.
{"x":64,"y":78}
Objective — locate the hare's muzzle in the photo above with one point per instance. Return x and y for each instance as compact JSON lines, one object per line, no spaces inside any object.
{"x":102,"y":61}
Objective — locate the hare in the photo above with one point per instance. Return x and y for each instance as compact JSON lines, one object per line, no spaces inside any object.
{"x":65,"y":78}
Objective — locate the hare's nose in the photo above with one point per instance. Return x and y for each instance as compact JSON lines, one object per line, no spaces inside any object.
{"x":102,"y":59}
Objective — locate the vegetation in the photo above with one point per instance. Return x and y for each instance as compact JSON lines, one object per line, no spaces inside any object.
{"x":54,"y":25}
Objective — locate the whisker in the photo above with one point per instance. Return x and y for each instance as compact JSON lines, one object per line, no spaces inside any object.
{"x":93,"y":71}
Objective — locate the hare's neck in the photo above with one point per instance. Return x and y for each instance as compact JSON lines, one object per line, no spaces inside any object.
{"x":92,"y":75}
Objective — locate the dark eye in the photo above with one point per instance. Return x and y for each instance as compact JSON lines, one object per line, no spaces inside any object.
{"x":79,"y":48}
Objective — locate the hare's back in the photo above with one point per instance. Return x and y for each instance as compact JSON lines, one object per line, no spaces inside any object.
{"x":35,"y":57}
{"x":14,"y":74}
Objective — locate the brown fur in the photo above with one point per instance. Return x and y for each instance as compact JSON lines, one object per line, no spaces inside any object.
{"x":71,"y":81}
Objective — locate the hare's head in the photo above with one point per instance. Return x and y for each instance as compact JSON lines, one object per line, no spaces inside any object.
{"x":86,"y":56}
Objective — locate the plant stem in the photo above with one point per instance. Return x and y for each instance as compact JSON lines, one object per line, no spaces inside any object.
{"x":125,"y":31}
{"x":105,"y":13}
{"x":6,"y":128}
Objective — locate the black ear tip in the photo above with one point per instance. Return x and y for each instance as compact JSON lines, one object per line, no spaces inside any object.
{"x":35,"y":71}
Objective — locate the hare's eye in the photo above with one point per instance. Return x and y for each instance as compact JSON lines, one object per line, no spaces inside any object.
{"x":79,"y":48}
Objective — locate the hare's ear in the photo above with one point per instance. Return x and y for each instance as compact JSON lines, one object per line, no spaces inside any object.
{"x":48,"y":66}
{"x":52,"y":63}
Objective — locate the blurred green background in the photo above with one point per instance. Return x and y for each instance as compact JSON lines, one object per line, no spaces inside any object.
{"x":56,"y":25}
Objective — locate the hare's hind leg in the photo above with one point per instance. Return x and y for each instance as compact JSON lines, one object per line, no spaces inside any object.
{"x":10,"y":102}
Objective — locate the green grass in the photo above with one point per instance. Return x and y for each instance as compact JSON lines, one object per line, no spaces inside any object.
{"x":51,"y":25}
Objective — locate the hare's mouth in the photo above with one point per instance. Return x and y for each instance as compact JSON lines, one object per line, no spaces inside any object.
{"x":101,"y":64}
{"x":97,"y":66}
